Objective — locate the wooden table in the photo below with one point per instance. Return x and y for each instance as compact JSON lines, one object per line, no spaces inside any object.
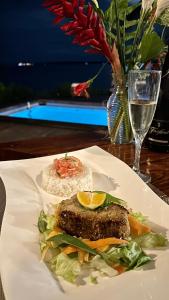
{"x":155,"y":163}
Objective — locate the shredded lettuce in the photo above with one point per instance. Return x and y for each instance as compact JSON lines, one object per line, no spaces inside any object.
{"x":99,"y":264}
{"x":46,"y":222}
{"x":139,"y":216}
{"x":93,"y":279}
{"x":51,"y":221}
{"x":130,"y":255}
{"x":68,"y":268}
{"x":42,"y":245}
{"x":151,"y":240}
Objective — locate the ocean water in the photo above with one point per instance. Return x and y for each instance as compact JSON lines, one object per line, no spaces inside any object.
{"x":49,"y":76}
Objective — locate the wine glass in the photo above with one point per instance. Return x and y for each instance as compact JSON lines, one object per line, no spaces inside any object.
{"x":143,"y":92}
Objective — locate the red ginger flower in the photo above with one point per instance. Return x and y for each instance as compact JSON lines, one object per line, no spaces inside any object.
{"x":80,"y":89}
{"x":84,"y":24}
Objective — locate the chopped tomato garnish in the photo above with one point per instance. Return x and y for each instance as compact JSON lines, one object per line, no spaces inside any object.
{"x":68,"y":166}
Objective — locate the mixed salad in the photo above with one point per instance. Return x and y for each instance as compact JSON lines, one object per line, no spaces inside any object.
{"x":73,"y":258}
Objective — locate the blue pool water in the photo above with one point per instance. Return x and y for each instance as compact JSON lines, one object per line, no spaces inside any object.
{"x":64,"y":113}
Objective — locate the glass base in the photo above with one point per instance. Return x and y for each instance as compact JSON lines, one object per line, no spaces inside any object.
{"x":145,"y":177}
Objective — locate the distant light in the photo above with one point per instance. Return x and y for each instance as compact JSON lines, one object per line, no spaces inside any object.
{"x":24,"y":64}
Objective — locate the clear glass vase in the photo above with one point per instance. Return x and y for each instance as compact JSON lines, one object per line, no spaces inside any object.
{"x":119,"y":127}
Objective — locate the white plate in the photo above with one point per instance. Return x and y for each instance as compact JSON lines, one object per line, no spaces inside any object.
{"x":24,"y":277}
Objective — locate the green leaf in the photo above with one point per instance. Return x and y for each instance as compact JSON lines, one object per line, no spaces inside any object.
{"x":97,"y":8}
{"x":151,"y":46}
{"x":129,"y":36}
{"x":122,"y":29}
{"x":128,"y":49}
{"x":42,"y":224}
{"x":142,"y":260}
{"x":111,"y":35}
{"x":65,"y":238}
{"x":46,"y":222}
{"x":123,"y":8}
{"x":151,"y":240}
{"x":131,"y":23}
{"x":113,"y":200}
{"x":130,"y":255}
{"x":132,"y":7}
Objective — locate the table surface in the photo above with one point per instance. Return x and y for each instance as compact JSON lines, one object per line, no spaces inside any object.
{"x":154,"y":163}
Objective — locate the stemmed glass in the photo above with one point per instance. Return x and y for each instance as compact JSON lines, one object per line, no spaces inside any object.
{"x":143,"y":92}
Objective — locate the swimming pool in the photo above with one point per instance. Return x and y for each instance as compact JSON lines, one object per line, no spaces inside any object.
{"x":69,"y":113}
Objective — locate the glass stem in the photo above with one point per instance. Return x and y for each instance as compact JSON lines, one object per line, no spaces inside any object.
{"x":138,"y":144}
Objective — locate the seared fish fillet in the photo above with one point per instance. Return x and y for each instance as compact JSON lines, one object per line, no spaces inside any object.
{"x":111,"y":221}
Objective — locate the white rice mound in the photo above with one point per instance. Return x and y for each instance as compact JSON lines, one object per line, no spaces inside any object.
{"x":66,"y":187}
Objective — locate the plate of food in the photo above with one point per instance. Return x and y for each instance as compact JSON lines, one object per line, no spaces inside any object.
{"x":81,"y":225}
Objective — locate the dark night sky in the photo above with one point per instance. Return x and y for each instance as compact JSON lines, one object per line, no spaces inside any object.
{"x":27,"y":34}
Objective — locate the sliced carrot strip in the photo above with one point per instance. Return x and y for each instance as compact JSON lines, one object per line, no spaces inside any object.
{"x":136,"y":227}
{"x":54,"y":232}
{"x":86,"y":257}
{"x":69,"y":249}
{"x":81,"y":256}
{"x":104,"y":242}
{"x":58,"y":229}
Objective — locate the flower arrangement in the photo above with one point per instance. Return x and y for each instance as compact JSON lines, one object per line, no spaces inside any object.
{"x":126,"y":43}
